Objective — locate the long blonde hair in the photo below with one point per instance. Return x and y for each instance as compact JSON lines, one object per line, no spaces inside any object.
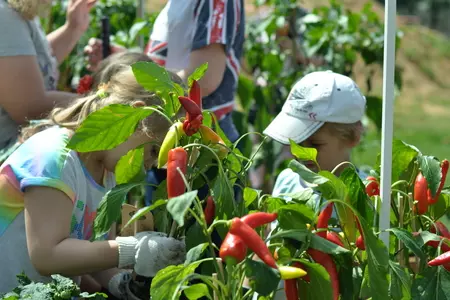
{"x":122,"y":89}
{"x":28,"y":9}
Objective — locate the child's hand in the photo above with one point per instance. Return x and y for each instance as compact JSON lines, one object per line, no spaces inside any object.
{"x":150,"y":252}
{"x":119,"y":286}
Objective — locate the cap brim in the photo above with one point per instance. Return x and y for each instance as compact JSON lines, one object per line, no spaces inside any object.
{"x":284,"y":127}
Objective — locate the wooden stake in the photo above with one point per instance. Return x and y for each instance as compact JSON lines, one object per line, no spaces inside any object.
{"x":215,"y":296}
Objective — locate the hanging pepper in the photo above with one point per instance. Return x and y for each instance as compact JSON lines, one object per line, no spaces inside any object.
{"x":420,"y":194}
{"x":210,"y":210}
{"x":441,"y":228}
{"x":373,"y":187}
{"x":209,"y":136}
{"x":334,"y":238}
{"x":442,"y":259}
{"x":287,"y":272}
{"x":360,"y":240}
{"x":327,"y":262}
{"x":444,"y":170}
{"x":194,"y":117}
{"x":252,"y":241}
{"x":291,"y":289}
{"x":322,"y":221}
{"x":173,"y":135}
{"x":177,"y":160}
{"x":195,"y":93}
{"x":233,"y":250}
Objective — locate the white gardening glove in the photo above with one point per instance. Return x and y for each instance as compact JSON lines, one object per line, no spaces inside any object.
{"x":150,"y":252}
{"x":119,"y":286}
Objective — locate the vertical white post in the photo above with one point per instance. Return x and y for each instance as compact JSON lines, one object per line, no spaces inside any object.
{"x":140,"y":14}
{"x":388,"y":116}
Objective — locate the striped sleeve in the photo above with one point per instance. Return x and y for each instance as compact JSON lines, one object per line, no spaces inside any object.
{"x":216,"y":23}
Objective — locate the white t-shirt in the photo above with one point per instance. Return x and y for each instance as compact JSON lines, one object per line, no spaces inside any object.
{"x":43,"y":160}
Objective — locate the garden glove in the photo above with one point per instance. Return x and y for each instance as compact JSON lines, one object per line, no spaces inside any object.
{"x":150,"y":252}
{"x":119,"y":286}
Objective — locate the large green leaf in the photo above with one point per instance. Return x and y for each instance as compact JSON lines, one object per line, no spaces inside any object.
{"x":223,"y":196}
{"x":400,"y":288}
{"x":408,"y":240}
{"x":431,"y":170}
{"x":110,"y":207}
{"x":107,"y":128}
{"x":319,"y":286}
{"x":402,"y":155}
{"x":178,"y":206}
{"x":303,"y":153}
{"x":167,"y":280}
{"x":263,"y":279}
{"x":433,"y":284}
{"x":197,"y":291}
{"x":250,"y":196}
{"x":295,"y":216}
{"x":130,"y":165}
{"x":195,"y":253}
{"x":306,"y":174}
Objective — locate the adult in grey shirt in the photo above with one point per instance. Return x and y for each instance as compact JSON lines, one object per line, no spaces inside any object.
{"x":29,"y":63}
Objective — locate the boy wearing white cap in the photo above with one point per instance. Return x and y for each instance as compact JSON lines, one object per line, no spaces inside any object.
{"x":323,"y":111}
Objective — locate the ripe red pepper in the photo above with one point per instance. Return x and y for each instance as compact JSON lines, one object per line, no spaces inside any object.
{"x":445,"y":245}
{"x":421,"y":194}
{"x":177,"y":158}
{"x":322,"y":221}
{"x":194,"y":117}
{"x":253,"y":241}
{"x":210,"y":210}
{"x":334,"y":238}
{"x":441,"y":228}
{"x":327,"y":262}
{"x":233,"y":250}
{"x":291,"y":289}
{"x":373,"y":187}
{"x":444,"y":170}
{"x":360,"y":240}
{"x":195,"y":93}
{"x":442,"y":259}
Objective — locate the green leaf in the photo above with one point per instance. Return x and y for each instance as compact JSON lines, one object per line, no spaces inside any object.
{"x":141,"y":212}
{"x":319,"y":280}
{"x":107,"y":128}
{"x":130,"y":165}
{"x":300,"y":235}
{"x":250,"y":196}
{"x":195,"y":253}
{"x":295,"y":216}
{"x":400,"y":282}
{"x":224,"y":196}
{"x":178,"y":206}
{"x":167,"y":280}
{"x":431,"y":170}
{"x":302,"y":195}
{"x":408,"y":240}
{"x":442,"y":207}
{"x":433,"y":284}
{"x":274,"y":204}
{"x":306,"y":174}
{"x":197,"y":74}
{"x":263,"y":279}
{"x":402,"y":155}
{"x":109,"y":208}
{"x":197,"y":291}
{"x":303,"y":153}
{"x":326,"y":246}
{"x":245,"y":92}
{"x":156,"y":79}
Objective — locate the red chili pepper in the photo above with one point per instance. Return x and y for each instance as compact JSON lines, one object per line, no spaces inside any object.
{"x":327,"y":262}
{"x":334,"y":238}
{"x":442,"y":259}
{"x":210,"y":210}
{"x":253,"y":241}
{"x":373,"y":187}
{"x":441,"y":228}
{"x":177,"y":158}
{"x":444,"y":170}
{"x":360,"y":240}
{"x":420,"y":194}
{"x":233,"y":250}
{"x":194,"y":117}
{"x":435,"y":244}
{"x":195,"y":93}
{"x":322,"y":221}
{"x":291,"y":289}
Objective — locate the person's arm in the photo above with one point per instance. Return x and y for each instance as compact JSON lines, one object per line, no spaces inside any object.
{"x":22,"y":90}
{"x":63,"y":40}
{"x":215,"y":56}
{"x":51,"y":249}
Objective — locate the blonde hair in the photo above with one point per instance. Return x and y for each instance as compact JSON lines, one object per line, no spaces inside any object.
{"x":28,"y":9}
{"x":122,"y":89}
{"x":347,"y":132}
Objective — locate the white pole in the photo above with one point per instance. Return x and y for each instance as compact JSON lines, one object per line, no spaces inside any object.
{"x":141,"y":14}
{"x":388,"y":116}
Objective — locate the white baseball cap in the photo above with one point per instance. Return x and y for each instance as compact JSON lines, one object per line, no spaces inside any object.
{"x":317,"y":98}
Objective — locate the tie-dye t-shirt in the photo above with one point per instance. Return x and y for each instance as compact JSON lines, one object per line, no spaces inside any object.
{"x":43,"y":160}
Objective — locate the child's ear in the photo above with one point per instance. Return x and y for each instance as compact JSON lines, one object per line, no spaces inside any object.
{"x":138,"y":104}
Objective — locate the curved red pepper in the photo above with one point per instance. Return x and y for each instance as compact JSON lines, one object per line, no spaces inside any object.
{"x":421,"y":194}
{"x":210,"y":210}
{"x":291,"y":289}
{"x":233,"y":250}
{"x":177,"y":158}
{"x":253,"y":241}
{"x":322,"y":221}
{"x":360,"y":240}
{"x":334,"y":238}
{"x":372,"y":188}
{"x":327,"y":262}
{"x":444,"y":170}
{"x":194,"y":117}
{"x":195,"y":93}
{"x":442,"y":259}
{"x":441,"y":228}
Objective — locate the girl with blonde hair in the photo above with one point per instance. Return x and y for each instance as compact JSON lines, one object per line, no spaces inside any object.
{"x":49,"y":195}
